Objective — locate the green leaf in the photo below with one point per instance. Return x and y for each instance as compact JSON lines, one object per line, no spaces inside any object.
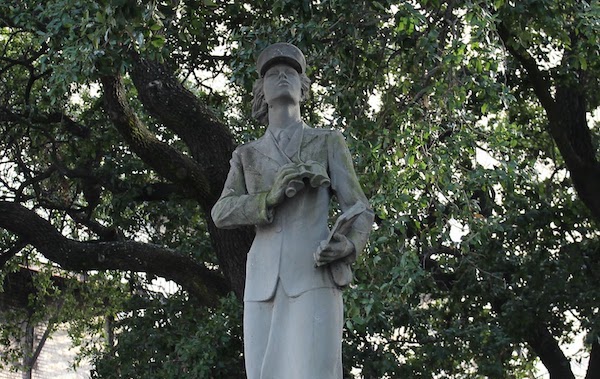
{"x":157,"y":41}
{"x":583,"y":63}
{"x":156,"y":26}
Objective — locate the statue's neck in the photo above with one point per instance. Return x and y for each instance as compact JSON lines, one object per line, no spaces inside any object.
{"x":283,"y":115}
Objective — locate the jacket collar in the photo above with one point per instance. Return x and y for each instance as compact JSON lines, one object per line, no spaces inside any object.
{"x":267,"y":145}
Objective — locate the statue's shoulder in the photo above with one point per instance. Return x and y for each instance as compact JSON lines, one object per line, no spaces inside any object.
{"x":246,"y":146}
{"x":325,"y":135}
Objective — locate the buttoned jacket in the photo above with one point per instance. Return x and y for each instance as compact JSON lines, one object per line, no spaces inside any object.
{"x":288,"y":235}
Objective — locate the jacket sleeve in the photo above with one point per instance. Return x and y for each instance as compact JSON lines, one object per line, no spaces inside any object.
{"x":347,"y":190}
{"x":236,"y":207}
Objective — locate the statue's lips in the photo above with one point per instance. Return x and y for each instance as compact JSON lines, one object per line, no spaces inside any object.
{"x":283,"y":83}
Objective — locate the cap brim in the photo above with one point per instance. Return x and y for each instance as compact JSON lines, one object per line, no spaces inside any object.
{"x":281,"y":59}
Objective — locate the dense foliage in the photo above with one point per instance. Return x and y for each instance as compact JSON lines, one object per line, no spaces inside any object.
{"x":472,"y":127}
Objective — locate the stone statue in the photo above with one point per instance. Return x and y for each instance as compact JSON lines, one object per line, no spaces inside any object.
{"x":282,"y":184}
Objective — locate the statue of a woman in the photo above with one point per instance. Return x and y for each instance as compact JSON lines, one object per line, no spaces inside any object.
{"x":283,"y":183}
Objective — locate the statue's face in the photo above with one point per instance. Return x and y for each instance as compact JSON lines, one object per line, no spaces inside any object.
{"x":282,"y":82}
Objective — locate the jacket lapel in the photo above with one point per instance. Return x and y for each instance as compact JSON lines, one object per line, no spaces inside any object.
{"x":308,"y":138}
{"x":293,"y":146}
{"x":265,"y":145}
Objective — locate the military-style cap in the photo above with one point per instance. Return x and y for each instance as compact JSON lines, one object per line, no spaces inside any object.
{"x":281,"y":52}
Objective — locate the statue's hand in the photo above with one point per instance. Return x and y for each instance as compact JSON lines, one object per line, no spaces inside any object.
{"x":286,"y":174}
{"x":339,"y":247}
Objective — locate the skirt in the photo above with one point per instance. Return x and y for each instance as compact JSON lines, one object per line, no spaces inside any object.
{"x":294,"y":337}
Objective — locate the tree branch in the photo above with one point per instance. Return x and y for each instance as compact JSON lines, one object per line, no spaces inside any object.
{"x":105,"y":233}
{"x":51,"y":322}
{"x":71,"y":125}
{"x":164,"y":159}
{"x":5,"y":256}
{"x":567,"y":121}
{"x":547,"y":349}
{"x":443,"y":279}
{"x":540,"y":81}
{"x":204,"y":284}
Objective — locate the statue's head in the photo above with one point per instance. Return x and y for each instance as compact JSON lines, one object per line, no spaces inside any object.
{"x":277,"y":53}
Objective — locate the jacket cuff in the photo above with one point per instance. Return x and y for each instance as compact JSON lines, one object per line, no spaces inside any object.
{"x":265,"y":214}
